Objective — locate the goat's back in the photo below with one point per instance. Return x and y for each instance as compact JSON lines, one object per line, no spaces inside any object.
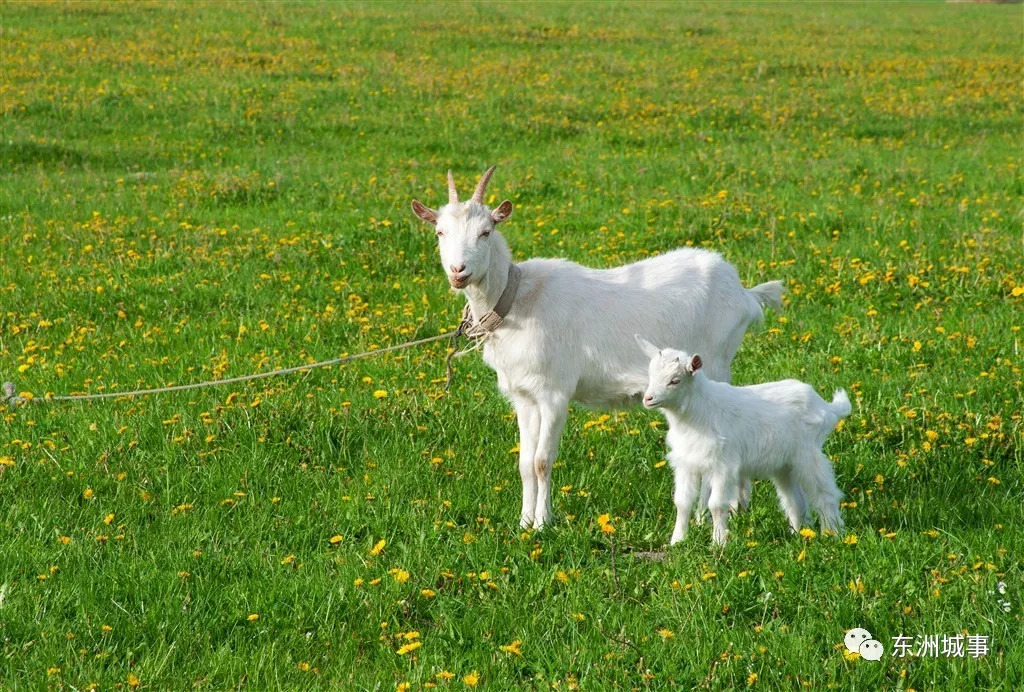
{"x":577,"y":323}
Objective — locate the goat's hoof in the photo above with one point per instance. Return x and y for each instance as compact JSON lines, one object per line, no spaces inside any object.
{"x":526,"y":523}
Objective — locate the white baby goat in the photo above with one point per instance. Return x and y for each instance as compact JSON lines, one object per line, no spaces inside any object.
{"x":723,"y":434}
{"x":569,"y":333}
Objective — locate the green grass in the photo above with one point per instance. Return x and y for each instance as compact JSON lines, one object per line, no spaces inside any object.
{"x":172,"y":174}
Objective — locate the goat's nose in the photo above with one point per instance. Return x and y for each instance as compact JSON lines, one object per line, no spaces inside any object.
{"x":648,"y":399}
{"x":457,"y":270}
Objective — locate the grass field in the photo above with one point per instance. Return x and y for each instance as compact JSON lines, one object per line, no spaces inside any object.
{"x":197,"y":191}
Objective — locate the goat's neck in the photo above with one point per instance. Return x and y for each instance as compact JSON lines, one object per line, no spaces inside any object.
{"x":483,"y":295}
{"x":697,"y":408}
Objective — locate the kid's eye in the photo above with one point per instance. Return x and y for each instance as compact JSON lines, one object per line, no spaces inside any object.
{"x":674,"y":380}
{"x":485,"y":234}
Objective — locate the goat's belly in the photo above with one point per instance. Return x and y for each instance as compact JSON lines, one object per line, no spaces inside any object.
{"x":603,"y":396}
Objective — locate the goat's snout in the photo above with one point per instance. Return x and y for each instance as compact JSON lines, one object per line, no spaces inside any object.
{"x":648,"y":400}
{"x":458,"y":277}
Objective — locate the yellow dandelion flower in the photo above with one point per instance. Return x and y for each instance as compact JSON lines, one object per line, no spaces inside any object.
{"x":666,"y":633}
{"x":378,"y":547}
{"x":406,"y":648}
{"x":133,"y":681}
{"x":88,"y":494}
{"x":400,"y":575}
{"x":427,"y":593}
{"x":335,"y":540}
{"x":472,"y":679}
{"x":380,"y":394}
{"x":808,"y":533}
{"x":850,"y":540}
{"x":253,"y":617}
{"x":752,"y":679}
{"x":513,"y":648}
{"x":303,"y":666}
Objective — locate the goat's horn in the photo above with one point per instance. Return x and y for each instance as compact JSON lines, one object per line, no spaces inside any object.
{"x":481,"y":187}
{"x":453,"y":196}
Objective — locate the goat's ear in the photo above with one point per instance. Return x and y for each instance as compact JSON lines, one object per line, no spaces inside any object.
{"x":649,"y":349}
{"x":503,"y":211}
{"x":424,"y":213}
{"x":695,"y":364}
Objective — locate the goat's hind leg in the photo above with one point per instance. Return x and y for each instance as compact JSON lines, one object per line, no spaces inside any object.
{"x":791,"y":498}
{"x":818,"y":479}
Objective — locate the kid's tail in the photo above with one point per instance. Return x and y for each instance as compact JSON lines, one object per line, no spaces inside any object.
{"x":769,"y":294}
{"x":840,"y":406}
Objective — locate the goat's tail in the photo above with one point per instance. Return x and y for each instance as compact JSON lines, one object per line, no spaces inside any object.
{"x":769,"y":294}
{"x":839,"y":408}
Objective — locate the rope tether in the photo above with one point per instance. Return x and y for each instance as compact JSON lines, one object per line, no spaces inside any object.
{"x":11,"y":398}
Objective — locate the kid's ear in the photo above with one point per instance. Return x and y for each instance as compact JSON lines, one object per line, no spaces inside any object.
{"x":695,"y":364}
{"x":649,"y":349}
{"x":424,"y":213}
{"x":503,"y":211}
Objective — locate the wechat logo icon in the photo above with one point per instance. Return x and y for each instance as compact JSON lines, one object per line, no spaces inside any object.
{"x":859,"y":641}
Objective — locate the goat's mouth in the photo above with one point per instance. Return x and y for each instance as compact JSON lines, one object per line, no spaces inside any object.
{"x":460,"y":281}
{"x":651,"y":403}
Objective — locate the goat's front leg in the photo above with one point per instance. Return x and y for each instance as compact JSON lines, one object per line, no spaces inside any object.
{"x":528,"y":418}
{"x":553,"y":413}
{"x":702,"y":502}
{"x":741,"y":503}
{"x":724,"y":495}
{"x":687,"y":488}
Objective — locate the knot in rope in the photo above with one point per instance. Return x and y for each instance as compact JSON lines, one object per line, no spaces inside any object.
{"x":10,"y":396}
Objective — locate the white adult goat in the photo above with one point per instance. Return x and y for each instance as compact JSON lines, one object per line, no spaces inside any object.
{"x":568,"y":335}
{"x":722,"y":435}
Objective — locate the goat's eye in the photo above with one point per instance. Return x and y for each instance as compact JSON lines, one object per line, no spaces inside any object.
{"x":440,"y":234}
{"x":674,"y":380}
{"x":485,"y":234}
